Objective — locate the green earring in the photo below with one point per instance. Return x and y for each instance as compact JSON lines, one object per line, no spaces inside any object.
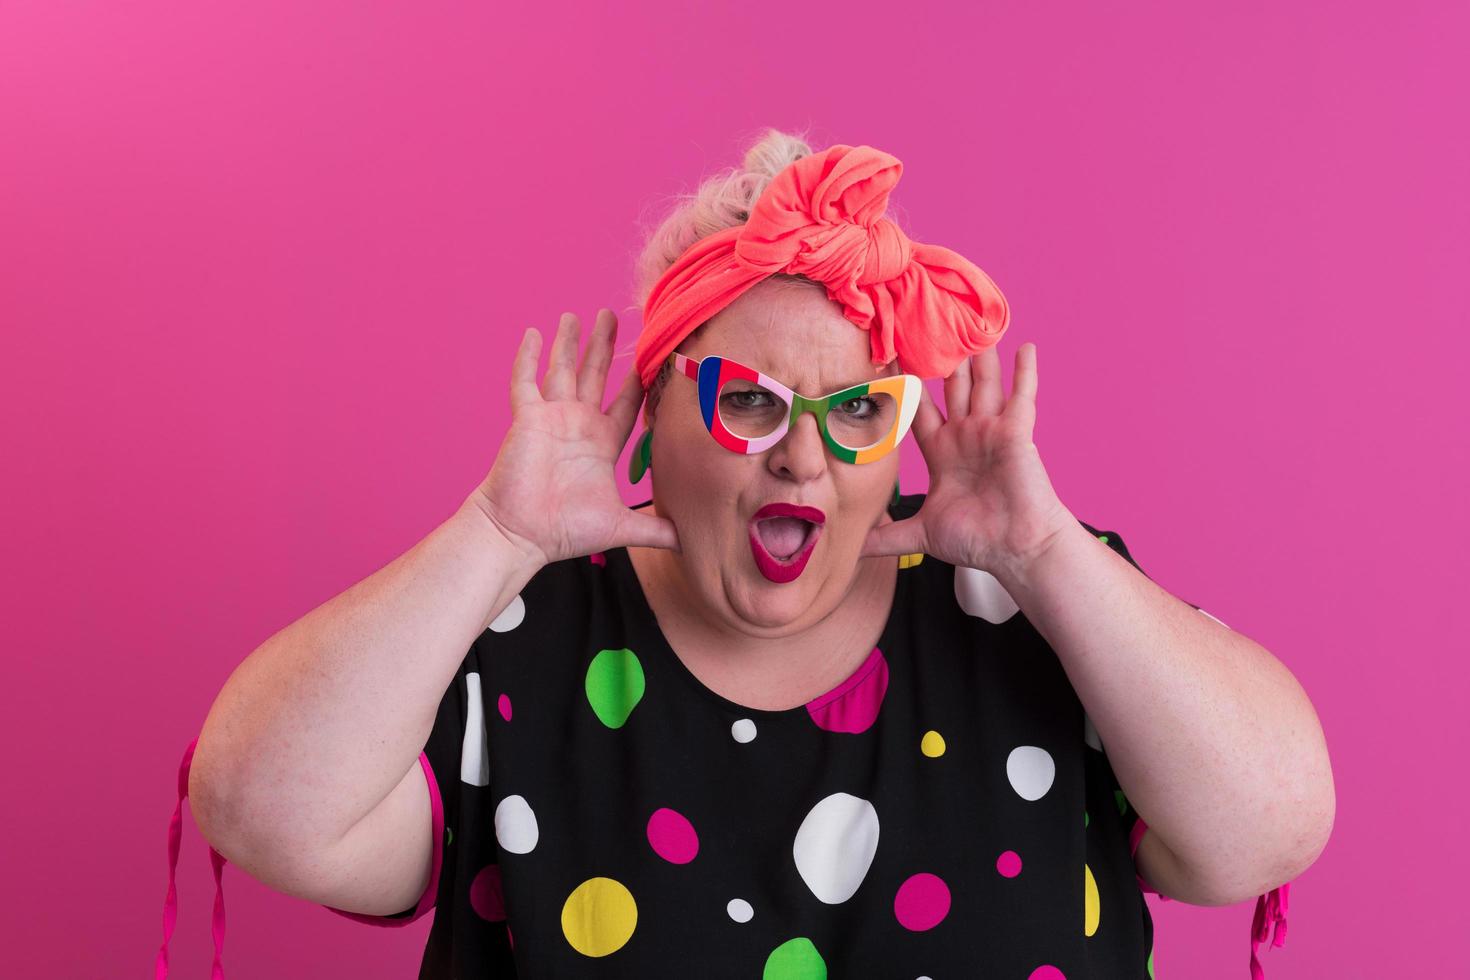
{"x":895,"y":493}
{"x":642,"y":457}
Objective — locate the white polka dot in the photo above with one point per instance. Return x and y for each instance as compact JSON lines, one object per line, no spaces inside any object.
{"x":510,"y":617}
{"x":834,"y":846}
{"x":474,"y":755}
{"x":1215,"y":618}
{"x":743,"y":730}
{"x":980,"y":594}
{"x":1089,"y":733}
{"x":1031,"y":771}
{"x":515,"y":825}
{"x":740,"y":910}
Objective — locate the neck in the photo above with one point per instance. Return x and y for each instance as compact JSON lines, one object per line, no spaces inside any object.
{"x":748,"y":667}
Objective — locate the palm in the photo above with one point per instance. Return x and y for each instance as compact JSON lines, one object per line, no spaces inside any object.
{"x":552,"y":490}
{"x":990,"y":502}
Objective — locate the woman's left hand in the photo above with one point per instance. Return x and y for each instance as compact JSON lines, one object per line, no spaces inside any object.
{"x":990,"y":504}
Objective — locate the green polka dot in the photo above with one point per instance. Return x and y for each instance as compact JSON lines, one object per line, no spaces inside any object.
{"x":1084,"y":818}
{"x":1150,"y":965}
{"x":614,"y":685}
{"x":450,"y":832}
{"x":795,"y":959}
{"x":1103,"y":538}
{"x":1122,"y":801}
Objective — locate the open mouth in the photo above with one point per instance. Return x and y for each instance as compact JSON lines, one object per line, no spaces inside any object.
{"x":782,"y":537}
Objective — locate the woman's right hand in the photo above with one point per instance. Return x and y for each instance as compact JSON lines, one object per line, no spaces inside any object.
{"x":552,"y":491}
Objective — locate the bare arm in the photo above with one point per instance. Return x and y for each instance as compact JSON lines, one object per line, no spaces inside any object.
{"x":1191,"y":712}
{"x":306,"y":772}
{"x":327,"y":717}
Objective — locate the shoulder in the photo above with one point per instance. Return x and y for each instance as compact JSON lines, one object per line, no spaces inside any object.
{"x":573,"y":579}
{"x":909,"y":503}
{"x":560,"y":594}
{"x":975,"y":591}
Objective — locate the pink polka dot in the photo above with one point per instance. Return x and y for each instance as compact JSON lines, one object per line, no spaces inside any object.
{"x":852,"y":706}
{"x":1047,"y":972}
{"x":922,"y":902}
{"x":1008,"y":864}
{"x":672,"y":837}
{"x":486,"y":895}
{"x":504,"y":705}
{"x":598,"y":558}
{"x":510,"y":938}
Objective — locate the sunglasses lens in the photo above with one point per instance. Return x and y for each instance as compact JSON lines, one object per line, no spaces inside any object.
{"x":864,"y":421}
{"x":749,"y":410}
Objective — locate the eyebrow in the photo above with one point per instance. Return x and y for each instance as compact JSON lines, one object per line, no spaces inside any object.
{"x":854,"y":384}
{"x":864,"y":380}
{"x":840,"y":387}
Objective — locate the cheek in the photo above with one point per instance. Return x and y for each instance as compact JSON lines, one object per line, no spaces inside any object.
{"x":865,"y":499}
{"x":697,"y":477}
{"x":871,"y":486}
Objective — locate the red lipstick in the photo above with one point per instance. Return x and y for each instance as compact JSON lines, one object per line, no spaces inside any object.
{"x":785,"y":569}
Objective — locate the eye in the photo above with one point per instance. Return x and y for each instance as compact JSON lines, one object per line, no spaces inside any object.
{"x":748,"y":399}
{"x":859,"y":408}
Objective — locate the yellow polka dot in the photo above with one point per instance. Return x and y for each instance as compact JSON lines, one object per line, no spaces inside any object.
{"x":909,"y":561}
{"x":599,"y":916}
{"x":932,"y":744}
{"x":1091,"y":904}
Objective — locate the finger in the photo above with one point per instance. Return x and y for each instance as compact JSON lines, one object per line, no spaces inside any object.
{"x":988,"y":396}
{"x":561,"y":367}
{"x":903,"y":537}
{"x":624,"y":408}
{"x":592,"y":378}
{"x":523,"y":388}
{"x":1023,"y":382}
{"x":927,"y":417}
{"x":957,"y":391}
{"x":648,"y":531}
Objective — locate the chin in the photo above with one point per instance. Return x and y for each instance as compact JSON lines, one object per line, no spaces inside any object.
{"x":772,"y":606}
{"x":758,"y":599}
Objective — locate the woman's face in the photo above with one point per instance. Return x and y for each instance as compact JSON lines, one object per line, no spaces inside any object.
{"x":792,"y":332}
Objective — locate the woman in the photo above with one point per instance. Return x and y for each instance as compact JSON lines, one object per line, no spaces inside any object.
{"x":780,"y":719}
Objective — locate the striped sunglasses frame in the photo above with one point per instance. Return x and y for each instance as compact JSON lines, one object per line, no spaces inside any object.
{"x":709,"y":373}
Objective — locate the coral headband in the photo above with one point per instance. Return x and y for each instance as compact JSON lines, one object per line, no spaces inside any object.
{"x":822,"y":218}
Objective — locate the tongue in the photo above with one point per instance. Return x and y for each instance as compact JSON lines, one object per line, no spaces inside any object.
{"x":782,"y":536}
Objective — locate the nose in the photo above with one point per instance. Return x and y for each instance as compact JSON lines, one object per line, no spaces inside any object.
{"x":801,"y":454}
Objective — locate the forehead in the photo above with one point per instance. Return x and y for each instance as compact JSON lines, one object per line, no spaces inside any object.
{"x":792,"y":332}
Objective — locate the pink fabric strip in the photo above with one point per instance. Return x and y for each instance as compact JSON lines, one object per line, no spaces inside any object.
{"x":217,"y":862}
{"x":1270,"y":917}
{"x":1134,"y":836}
{"x":171,"y":902}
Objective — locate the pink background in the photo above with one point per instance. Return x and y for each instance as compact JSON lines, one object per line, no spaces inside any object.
{"x":262,"y":269}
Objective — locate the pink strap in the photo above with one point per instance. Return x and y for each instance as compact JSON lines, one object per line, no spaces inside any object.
{"x":217,"y":861}
{"x":1270,"y":908}
{"x":1270,"y":917}
{"x":1134,"y":836}
{"x":171,"y":901}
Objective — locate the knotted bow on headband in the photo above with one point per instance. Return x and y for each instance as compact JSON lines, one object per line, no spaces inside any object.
{"x":822,"y":217}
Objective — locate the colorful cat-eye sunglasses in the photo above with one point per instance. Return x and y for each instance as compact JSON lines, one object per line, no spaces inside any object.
{"x":748,"y":412}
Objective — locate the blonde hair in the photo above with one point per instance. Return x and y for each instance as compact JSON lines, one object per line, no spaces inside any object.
{"x":721,"y":201}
